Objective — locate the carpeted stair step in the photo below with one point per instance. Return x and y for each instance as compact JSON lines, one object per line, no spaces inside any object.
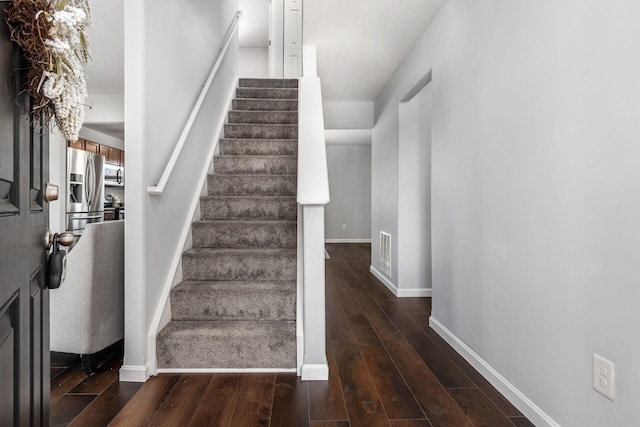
{"x":263,"y":117}
{"x":281,"y":83}
{"x":252,"y":185}
{"x":265,"y":104}
{"x":239,"y":264}
{"x":244,"y":234}
{"x":234,"y":301}
{"x":258,"y":147}
{"x":227,"y":344}
{"x":260,"y":131}
{"x":266,"y":93}
{"x":266,"y":208}
{"x":261,"y":165}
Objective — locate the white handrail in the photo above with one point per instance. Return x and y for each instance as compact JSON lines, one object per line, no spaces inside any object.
{"x":164,"y":178}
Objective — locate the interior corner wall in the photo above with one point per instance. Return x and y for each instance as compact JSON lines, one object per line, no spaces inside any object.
{"x":349,"y":167}
{"x":254,"y":62}
{"x":414,"y":195}
{"x":164,"y":74}
{"x":534,"y":184}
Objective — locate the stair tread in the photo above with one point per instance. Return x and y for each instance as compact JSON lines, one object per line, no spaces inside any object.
{"x":252,"y":175}
{"x":217,"y":328}
{"x":261,"y":156}
{"x":290,"y":125}
{"x":238,"y":197}
{"x":245,"y":221}
{"x":240,"y":251}
{"x":232,"y":284}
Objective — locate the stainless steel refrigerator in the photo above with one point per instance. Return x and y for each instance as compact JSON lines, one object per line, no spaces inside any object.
{"x":85,"y":189}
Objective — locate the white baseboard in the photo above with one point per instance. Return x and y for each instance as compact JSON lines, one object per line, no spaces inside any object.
{"x":315,"y":372}
{"x":400,"y":293}
{"x":134,"y":373}
{"x":533,"y":412}
{"x":222,"y":370}
{"x":347,"y":240}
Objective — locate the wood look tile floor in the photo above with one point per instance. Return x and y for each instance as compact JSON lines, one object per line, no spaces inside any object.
{"x":387,"y":368}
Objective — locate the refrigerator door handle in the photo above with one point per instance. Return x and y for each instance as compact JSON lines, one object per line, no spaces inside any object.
{"x":87,"y":183}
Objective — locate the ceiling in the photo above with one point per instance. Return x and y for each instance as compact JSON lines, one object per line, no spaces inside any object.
{"x":361,"y":43}
{"x":105,"y":73}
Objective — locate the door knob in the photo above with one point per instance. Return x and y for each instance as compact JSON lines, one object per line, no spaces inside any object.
{"x":51,"y":192}
{"x":65,"y":239}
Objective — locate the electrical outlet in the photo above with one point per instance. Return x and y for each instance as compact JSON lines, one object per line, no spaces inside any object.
{"x":344,"y":227}
{"x":603,"y":376}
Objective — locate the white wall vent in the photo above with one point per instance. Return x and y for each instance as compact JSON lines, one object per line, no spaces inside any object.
{"x":385,"y":253}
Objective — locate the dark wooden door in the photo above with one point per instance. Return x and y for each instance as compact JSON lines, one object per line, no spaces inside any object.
{"x":24,"y":301}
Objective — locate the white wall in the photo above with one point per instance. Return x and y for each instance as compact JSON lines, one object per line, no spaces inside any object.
{"x":534,"y":194}
{"x":254,"y":62}
{"x":347,"y":115}
{"x":349,"y":167}
{"x":348,"y":137}
{"x":164,"y":73}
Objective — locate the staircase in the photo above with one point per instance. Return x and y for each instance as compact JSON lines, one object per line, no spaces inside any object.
{"x":237,"y":304}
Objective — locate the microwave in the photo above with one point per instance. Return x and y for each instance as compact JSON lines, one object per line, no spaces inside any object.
{"x":113,"y":176}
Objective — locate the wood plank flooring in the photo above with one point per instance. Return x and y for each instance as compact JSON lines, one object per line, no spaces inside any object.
{"x":387,"y":368}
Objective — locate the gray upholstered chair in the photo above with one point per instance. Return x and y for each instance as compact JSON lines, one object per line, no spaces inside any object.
{"x":87,"y":311}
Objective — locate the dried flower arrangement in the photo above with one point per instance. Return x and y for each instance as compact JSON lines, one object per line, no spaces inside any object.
{"x":52,"y":35}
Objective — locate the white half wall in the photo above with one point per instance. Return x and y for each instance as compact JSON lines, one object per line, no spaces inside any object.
{"x":254,"y":62}
{"x":535,"y":177}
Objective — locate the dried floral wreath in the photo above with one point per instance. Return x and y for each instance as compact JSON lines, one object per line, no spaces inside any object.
{"x":52,"y":35}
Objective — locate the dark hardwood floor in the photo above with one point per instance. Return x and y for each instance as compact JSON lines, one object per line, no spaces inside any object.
{"x":387,"y":368}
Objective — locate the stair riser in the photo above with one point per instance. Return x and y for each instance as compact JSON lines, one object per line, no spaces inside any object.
{"x":254,"y":234}
{"x":263,"y":267}
{"x":237,"y":165}
{"x":261,"y":131}
{"x":258,"y":147}
{"x":207,"y":304}
{"x":266,"y":93}
{"x":248,"y":209}
{"x":264,"y":117}
{"x":198,"y":349}
{"x":273,"y":185}
{"x":265,"y":104}
{"x":271,"y":83}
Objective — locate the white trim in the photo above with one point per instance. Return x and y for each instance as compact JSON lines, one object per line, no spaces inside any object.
{"x":222,"y":370}
{"x":401,"y":293}
{"x":315,"y":372}
{"x":533,"y":412}
{"x":347,"y":240}
{"x":177,"y":256}
{"x":134,"y":373}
